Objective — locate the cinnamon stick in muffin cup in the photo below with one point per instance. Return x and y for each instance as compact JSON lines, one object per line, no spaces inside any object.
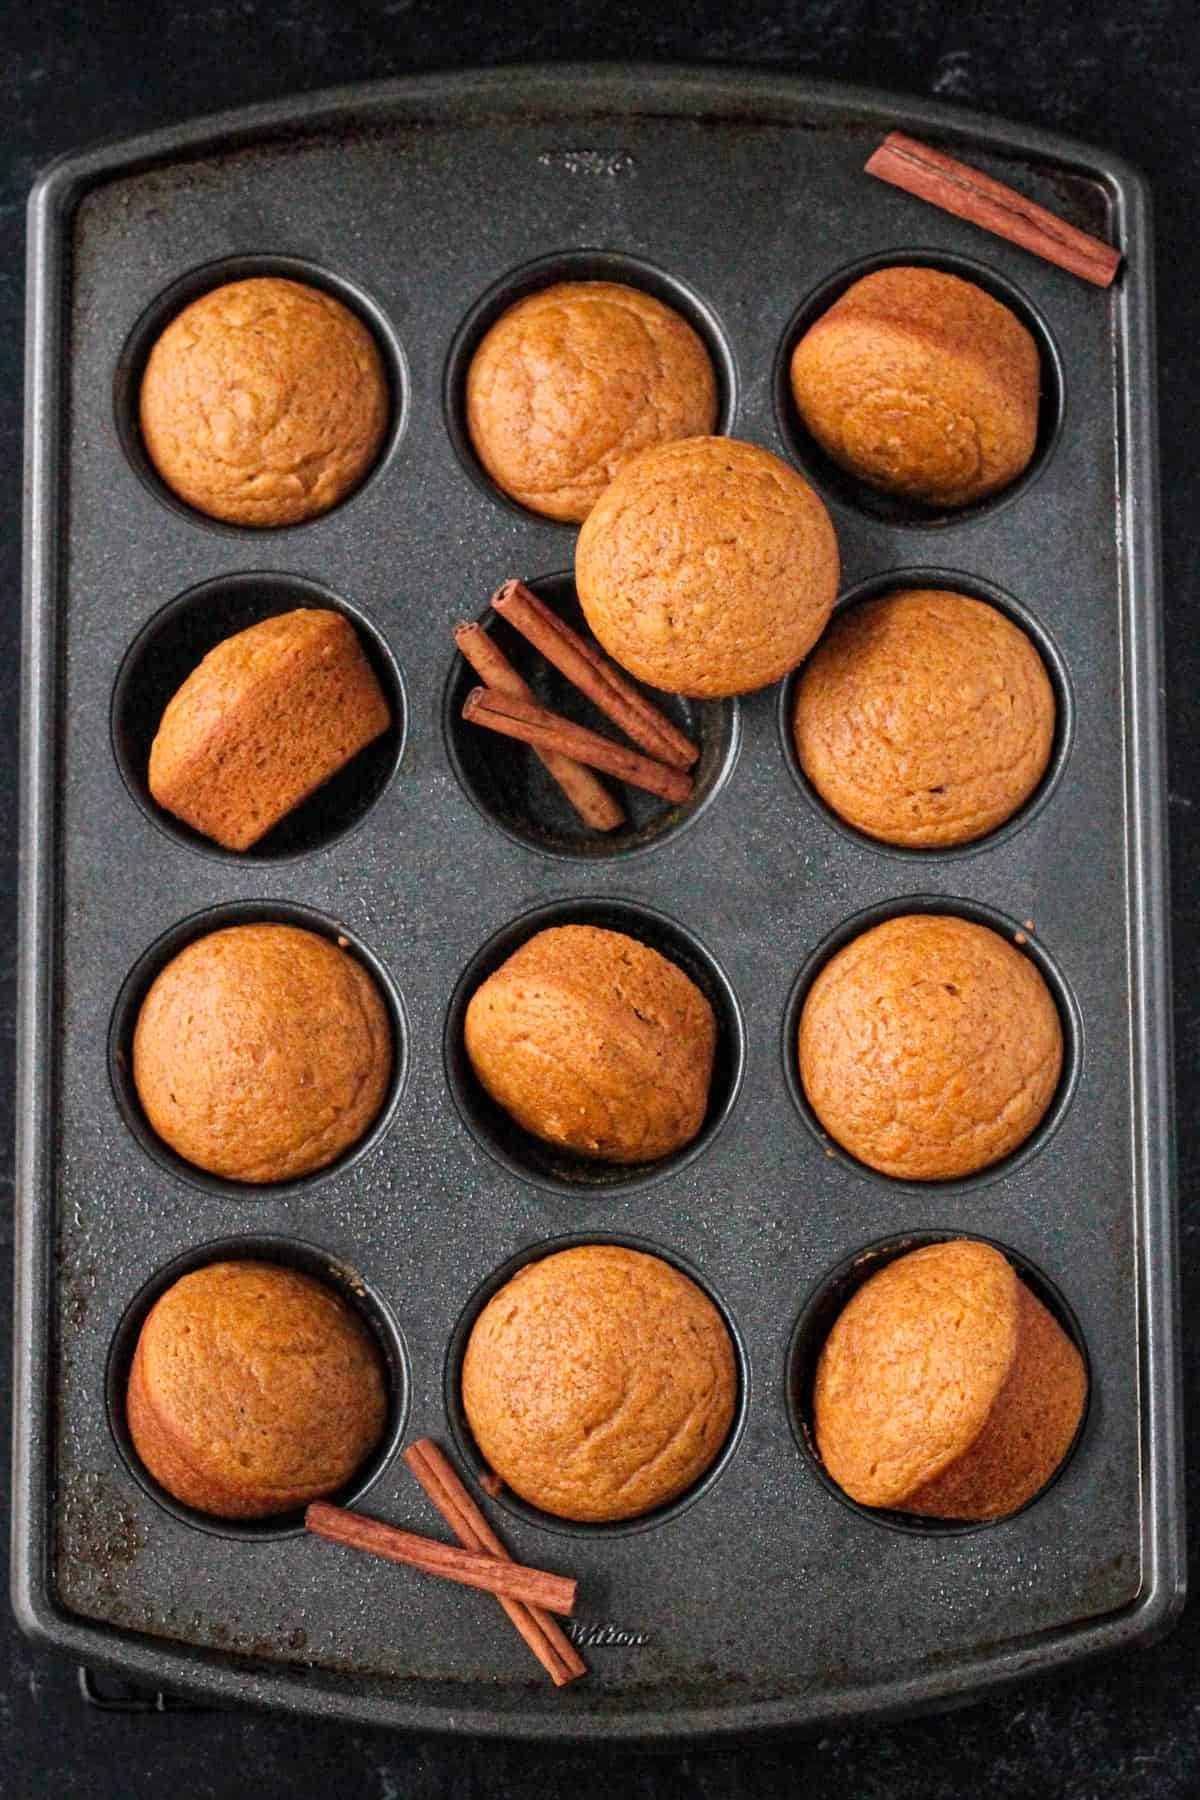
{"x":547,"y":730}
{"x":585,"y":792}
{"x":594,"y":675}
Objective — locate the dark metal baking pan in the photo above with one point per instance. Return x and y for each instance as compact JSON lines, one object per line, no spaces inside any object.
{"x":764,"y":1602}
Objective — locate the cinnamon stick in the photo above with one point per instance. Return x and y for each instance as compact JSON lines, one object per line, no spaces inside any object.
{"x":594,"y":675}
{"x":585,"y":792}
{"x":547,"y":730}
{"x":536,"y":1587}
{"x":968,"y":194}
{"x":437,"y":1475}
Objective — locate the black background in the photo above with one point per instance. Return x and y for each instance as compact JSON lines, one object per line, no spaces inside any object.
{"x":1119,"y":73}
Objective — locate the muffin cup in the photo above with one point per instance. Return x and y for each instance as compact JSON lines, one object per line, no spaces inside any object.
{"x":817,"y":1317}
{"x":548,"y":1165}
{"x":128,"y":1005}
{"x":506,"y":783}
{"x":1023,"y":938}
{"x":461,"y":1430}
{"x":840,"y":487}
{"x":1053,"y":661}
{"x":131,"y":366}
{"x":292,"y":1253}
{"x":170,"y":646}
{"x":548,"y":271}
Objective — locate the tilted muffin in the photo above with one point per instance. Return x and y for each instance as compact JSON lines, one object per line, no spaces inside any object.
{"x":930,"y":1047}
{"x":265,"y":719}
{"x":922,"y":385}
{"x":262,"y":1052}
{"x":924,"y":718}
{"x":593,"y":1041}
{"x":946,"y":1388}
{"x":254,"y":1389}
{"x":707,"y":568}
{"x":264,"y":402}
{"x":574,"y":380}
{"x":599,"y":1383}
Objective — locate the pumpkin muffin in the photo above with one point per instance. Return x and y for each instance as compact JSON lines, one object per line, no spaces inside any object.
{"x":599,"y":1383}
{"x":571,"y":382}
{"x":264,"y":720}
{"x":262,"y":1052}
{"x":930,"y":1047}
{"x":922,"y":385}
{"x":924,"y":718}
{"x":946,"y":1389}
{"x":707,"y":568}
{"x":254,"y":1389}
{"x":264,"y":402}
{"x":592,"y":1041}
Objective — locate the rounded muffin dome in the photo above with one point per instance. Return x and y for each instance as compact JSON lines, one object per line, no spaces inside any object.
{"x":254,"y":1389}
{"x":591,"y":1040}
{"x":572,"y":381}
{"x":946,"y":1388}
{"x":599,"y":1383}
{"x":707,"y":568}
{"x":924,"y":718}
{"x":264,"y":402}
{"x":929,"y":1047}
{"x":262,"y":1052}
{"x":922,"y":385}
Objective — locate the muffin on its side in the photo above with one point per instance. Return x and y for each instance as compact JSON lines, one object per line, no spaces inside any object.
{"x":922,"y":385}
{"x":946,"y":1388}
{"x":254,"y":1389}
{"x":266,"y":718}
{"x":264,"y":402}
{"x":572,"y":381}
{"x":593,"y":1041}
{"x":707,"y":568}
{"x":924,"y":718}
{"x":930,"y":1047}
{"x":262,"y":1052}
{"x":599,"y":1383}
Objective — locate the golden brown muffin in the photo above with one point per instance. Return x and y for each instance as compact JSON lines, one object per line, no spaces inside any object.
{"x":268,"y":716}
{"x":929,"y":1047}
{"x":261,"y":1052}
{"x":946,"y":1388}
{"x":254,"y":1389}
{"x":924,"y":718}
{"x":707,"y":568}
{"x":264,"y":402}
{"x":922,"y":385}
{"x":599,"y":1383}
{"x":593,"y":1041}
{"x":571,"y":382}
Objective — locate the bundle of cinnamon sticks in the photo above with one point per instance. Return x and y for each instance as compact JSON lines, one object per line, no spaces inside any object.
{"x":570,"y":753}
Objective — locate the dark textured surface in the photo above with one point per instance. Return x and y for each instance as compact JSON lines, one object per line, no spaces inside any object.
{"x":1129,"y":1728}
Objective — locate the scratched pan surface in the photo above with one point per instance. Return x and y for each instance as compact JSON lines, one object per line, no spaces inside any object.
{"x":763,"y":1601}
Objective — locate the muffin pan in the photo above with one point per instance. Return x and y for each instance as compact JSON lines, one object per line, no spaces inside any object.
{"x":759,"y":1600}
